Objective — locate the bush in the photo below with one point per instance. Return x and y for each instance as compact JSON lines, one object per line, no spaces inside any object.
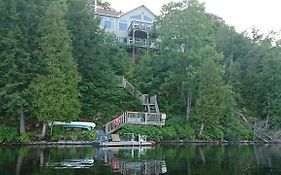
{"x":235,"y":131}
{"x":182,"y":128}
{"x":170,"y":133}
{"x":89,"y":135}
{"x":152,"y":132}
{"x":25,"y":138}
{"x":7,"y":134}
{"x":58,"y":133}
{"x":215,"y":133}
{"x":72,"y":136}
{"x":186,"y":132}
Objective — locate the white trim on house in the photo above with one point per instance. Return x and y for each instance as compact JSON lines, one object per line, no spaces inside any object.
{"x":132,"y":27}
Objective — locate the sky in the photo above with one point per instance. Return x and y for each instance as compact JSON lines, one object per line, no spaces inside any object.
{"x":242,"y":14}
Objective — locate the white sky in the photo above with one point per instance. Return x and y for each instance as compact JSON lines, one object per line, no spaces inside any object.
{"x":242,"y":14}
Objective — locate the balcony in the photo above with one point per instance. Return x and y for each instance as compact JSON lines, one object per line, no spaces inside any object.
{"x":141,"y":42}
{"x":138,"y":29}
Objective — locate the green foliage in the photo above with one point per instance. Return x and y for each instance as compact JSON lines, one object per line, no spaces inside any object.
{"x":178,"y":128}
{"x":58,"y":133}
{"x":89,"y":135}
{"x":24,"y":151}
{"x":7,"y":134}
{"x":170,"y":133}
{"x":54,"y":91}
{"x":72,"y":137}
{"x":99,"y":59}
{"x":236,"y":131}
{"x":202,"y":70}
{"x":15,"y":63}
{"x":153,"y":133}
{"x":186,"y":132}
{"x":24,"y":138}
{"x":214,"y":133}
{"x":211,"y":102}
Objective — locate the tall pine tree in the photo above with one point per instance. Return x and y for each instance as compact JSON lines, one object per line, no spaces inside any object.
{"x":211,"y":103}
{"x":14,"y":64}
{"x":55,"y":90}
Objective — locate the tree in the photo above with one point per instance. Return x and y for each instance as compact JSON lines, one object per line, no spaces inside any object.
{"x":15,"y":63}
{"x":185,"y":31}
{"x":211,"y":102}
{"x":271,"y":88}
{"x":55,"y":90}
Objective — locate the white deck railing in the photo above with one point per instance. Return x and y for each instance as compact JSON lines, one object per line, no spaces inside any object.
{"x":134,"y":118}
{"x":151,"y":117}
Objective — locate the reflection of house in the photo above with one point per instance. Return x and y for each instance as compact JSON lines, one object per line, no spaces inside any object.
{"x":133,"y":163}
{"x":131,"y":28}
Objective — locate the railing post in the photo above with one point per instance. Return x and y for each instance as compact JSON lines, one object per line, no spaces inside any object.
{"x":145,"y":118}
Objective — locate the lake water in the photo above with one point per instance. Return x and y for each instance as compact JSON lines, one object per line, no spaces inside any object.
{"x":192,"y":159}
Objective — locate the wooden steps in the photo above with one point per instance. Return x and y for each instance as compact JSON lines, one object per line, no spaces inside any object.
{"x":150,"y":116}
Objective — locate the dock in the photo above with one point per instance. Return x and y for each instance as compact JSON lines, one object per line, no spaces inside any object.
{"x":123,"y":143}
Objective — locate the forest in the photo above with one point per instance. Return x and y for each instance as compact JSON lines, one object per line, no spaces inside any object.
{"x":58,"y":64}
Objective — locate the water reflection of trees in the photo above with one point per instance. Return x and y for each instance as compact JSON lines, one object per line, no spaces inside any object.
{"x":175,"y":159}
{"x":219,"y":159}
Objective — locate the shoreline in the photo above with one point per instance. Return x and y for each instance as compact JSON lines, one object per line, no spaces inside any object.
{"x":171,"y":142}
{"x":218,"y":142}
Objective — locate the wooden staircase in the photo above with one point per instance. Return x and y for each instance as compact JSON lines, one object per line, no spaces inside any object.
{"x":150,"y":116}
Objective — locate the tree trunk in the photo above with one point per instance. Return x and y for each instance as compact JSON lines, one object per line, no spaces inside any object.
{"x":201,"y":131}
{"x":43,"y":132}
{"x":267,"y":121}
{"x":188,"y":105}
{"x":51,"y":129}
{"x":22,"y":122}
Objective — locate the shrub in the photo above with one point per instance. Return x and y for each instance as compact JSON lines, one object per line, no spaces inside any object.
{"x":235,"y":131}
{"x":215,"y":133}
{"x":152,"y":132}
{"x":89,"y":135}
{"x":7,"y":134}
{"x":186,"y":132}
{"x":58,"y":133}
{"x":72,"y":136}
{"x":25,"y":138}
{"x":170,"y":133}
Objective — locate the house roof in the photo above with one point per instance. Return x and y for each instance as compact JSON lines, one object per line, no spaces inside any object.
{"x":111,"y":13}
{"x":108,"y":12}
{"x":137,"y":8}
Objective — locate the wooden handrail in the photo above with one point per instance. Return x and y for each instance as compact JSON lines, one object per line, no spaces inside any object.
{"x":135,"y":118}
{"x":143,"y":118}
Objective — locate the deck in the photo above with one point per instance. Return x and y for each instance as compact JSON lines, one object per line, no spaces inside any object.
{"x":123,"y":144}
{"x":150,"y":116}
{"x":135,"y":118}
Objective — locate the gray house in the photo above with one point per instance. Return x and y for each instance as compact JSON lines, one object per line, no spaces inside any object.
{"x":131,"y":28}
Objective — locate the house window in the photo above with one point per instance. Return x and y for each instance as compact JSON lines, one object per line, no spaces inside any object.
{"x":146,"y":18}
{"x":123,"y":25}
{"x":107,"y":22}
{"x":123,"y":40}
{"x":137,"y":17}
